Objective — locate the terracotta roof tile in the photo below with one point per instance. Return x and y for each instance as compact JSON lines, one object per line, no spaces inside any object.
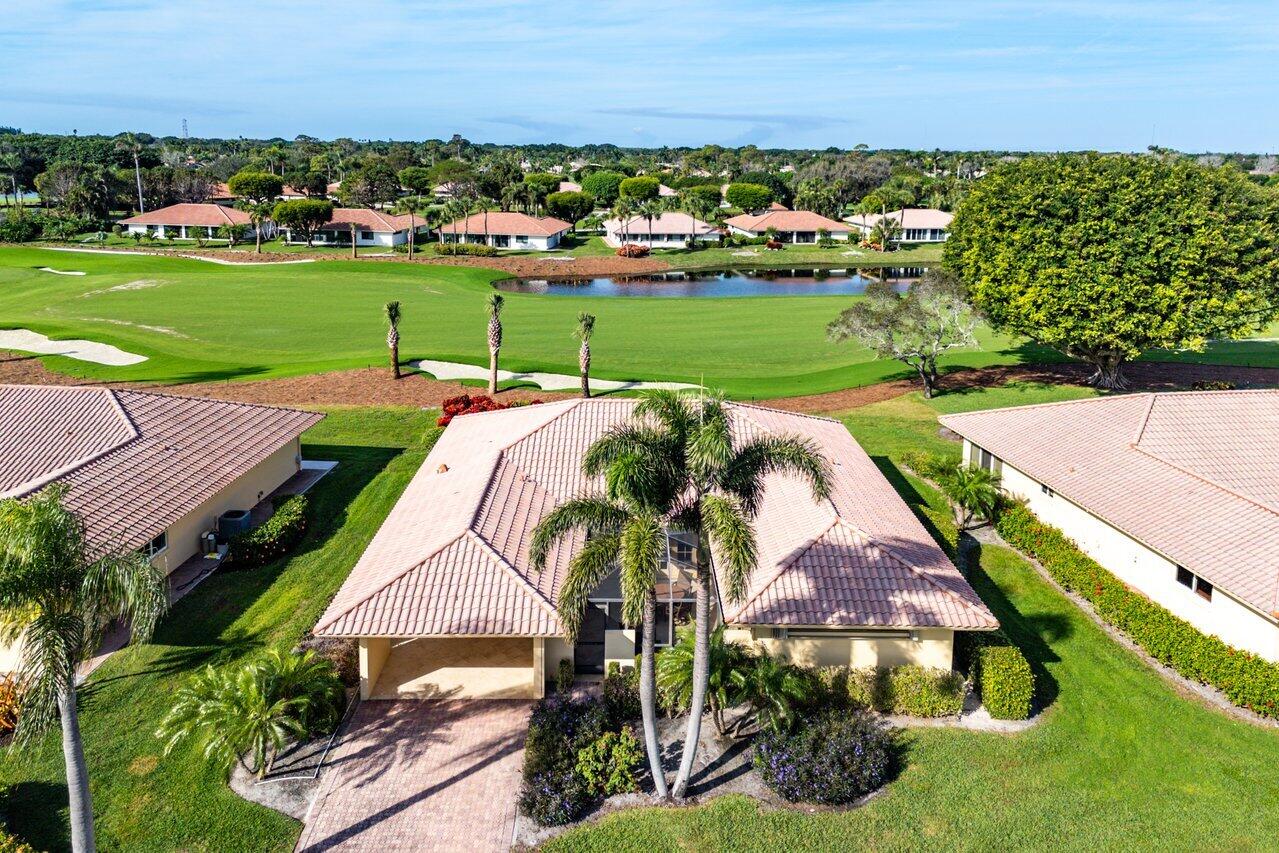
{"x":509,"y":223}
{"x":786,"y":220}
{"x":207,"y":215}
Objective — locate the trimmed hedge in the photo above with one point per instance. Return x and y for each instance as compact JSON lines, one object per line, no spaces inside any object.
{"x":474,"y":250}
{"x":1007,"y":685}
{"x":271,"y":540}
{"x":907,"y":689}
{"x":1246,"y":679}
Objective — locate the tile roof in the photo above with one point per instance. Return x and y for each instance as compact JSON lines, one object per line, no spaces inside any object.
{"x":915,"y":217}
{"x":134,"y":462}
{"x":369,"y":220}
{"x":452,"y":556}
{"x":190,"y":214}
{"x":507,"y":222}
{"x":671,"y":222}
{"x":1192,"y":475}
{"x":786,"y":220}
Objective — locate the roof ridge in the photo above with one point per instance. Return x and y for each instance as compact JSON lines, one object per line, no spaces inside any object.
{"x":1145,"y":419}
{"x":786,"y":412}
{"x":1206,"y":480}
{"x":785,"y":564}
{"x":236,"y":403}
{"x":513,"y":572}
{"x":889,"y":551}
{"x":1029,"y":406}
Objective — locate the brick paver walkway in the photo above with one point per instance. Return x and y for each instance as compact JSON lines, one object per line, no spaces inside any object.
{"x":422,"y":775}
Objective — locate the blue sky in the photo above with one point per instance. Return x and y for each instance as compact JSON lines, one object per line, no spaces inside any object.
{"x":1113,"y":75}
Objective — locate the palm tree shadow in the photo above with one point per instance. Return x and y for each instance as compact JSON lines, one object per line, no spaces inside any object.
{"x":33,"y":812}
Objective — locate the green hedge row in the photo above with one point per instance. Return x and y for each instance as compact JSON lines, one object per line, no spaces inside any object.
{"x":271,"y":540}
{"x":906,"y":689}
{"x":1246,"y":679}
{"x":1005,"y":681}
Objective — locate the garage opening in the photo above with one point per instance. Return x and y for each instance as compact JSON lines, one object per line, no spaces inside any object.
{"x":459,"y":667}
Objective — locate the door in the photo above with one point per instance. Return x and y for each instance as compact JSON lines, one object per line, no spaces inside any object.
{"x":588,"y":654}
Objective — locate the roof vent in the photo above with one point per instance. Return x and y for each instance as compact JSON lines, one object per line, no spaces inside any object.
{"x":443,"y":469}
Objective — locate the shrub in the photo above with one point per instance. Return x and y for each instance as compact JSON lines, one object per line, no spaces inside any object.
{"x":556,"y":796}
{"x":774,"y":245}
{"x":830,"y":758}
{"x":20,"y":227}
{"x":10,"y":702}
{"x":639,"y":189}
{"x":1213,"y":385}
{"x":475,"y":250}
{"x":465,"y":404}
{"x":621,"y":694}
{"x":632,"y":250}
{"x":10,"y":843}
{"x":1244,"y":678}
{"x":922,"y":692}
{"x":343,"y":653}
{"x":609,"y":765}
{"x":272,"y":539}
{"x":559,"y":728}
{"x":1007,"y":685}
{"x":564,"y":676}
{"x":748,"y":196}
{"x":934,"y":466}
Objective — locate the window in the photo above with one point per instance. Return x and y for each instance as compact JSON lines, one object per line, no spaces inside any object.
{"x":1203,"y":589}
{"x":986,"y":460}
{"x":1043,"y":487}
{"x":366,"y":235}
{"x":1192,"y":581}
{"x":681,"y":551}
{"x":1185,"y":578}
{"x":155,"y":546}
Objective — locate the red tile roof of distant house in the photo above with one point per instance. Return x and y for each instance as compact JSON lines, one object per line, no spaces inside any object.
{"x":206,"y":215}
{"x":369,"y":220}
{"x":508,"y":223}
{"x":570,"y":187}
{"x":786,"y":220}
{"x":453,"y":555}
{"x":912,"y":217}
{"x":134,"y":462}
{"x":777,"y":205}
{"x":672,"y":222}
{"x":1194,"y":476}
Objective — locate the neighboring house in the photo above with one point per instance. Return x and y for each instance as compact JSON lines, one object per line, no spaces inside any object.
{"x":792,"y":226}
{"x":570,"y":187}
{"x":445,"y":602}
{"x":506,"y":230}
{"x":150,"y":472}
{"x":187,"y":221}
{"x":372,"y":228}
{"x":777,"y":205}
{"x":664,"y":191}
{"x":1177,"y":494}
{"x":670,"y":230}
{"x":918,"y":224}
{"x":222,"y":193}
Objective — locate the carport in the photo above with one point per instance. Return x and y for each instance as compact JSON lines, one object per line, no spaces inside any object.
{"x":471,"y":667}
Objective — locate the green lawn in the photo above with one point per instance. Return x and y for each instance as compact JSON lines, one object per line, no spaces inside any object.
{"x":146,"y":801}
{"x":1119,"y":761}
{"x":202,"y":321}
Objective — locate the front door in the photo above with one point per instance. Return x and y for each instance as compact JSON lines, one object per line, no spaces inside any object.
{"x":588,"y":654}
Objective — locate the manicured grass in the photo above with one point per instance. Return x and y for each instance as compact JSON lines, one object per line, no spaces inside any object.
{"x":197,"y":320}
{"x":144,"y":800}
{"x":923,"y":254}
{"x":1119,"y":761}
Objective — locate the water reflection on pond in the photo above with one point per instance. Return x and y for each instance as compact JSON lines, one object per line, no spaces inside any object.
{"x":735,"y":282}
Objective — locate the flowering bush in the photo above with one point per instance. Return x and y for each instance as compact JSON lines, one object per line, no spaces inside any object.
{"x":632,"y":250}
{"x":831,"y":758}
{"x":555,"y":796}
{"x":465,"y":404}
{"x":559,"y":728}
{"x":774,"y":245}
{"x":609,"y":765}
{"x":10,"y":702}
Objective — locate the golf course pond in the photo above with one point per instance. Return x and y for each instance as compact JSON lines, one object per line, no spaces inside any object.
{"x":717,"y":283}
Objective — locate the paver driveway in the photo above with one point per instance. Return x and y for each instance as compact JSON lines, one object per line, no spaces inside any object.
{"x":422,"y":775}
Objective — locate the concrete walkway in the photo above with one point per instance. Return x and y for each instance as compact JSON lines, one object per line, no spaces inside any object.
{"x":437,"y":775}
{"x":452,"y":370}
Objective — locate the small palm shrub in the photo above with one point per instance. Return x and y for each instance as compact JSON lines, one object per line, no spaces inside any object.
{"x":973,"y":494}
{"x":723,"y":688}
{"x":776,"y":690}
{"x":611,"y":763}
{"x":831,"y":758}
{"x":249,"y":713}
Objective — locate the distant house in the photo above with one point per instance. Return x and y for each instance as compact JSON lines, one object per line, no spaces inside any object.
{"x":664,"y":191}
{"x":1177,"y":494}
{"x":670,"y":230}
{"x":187,"y":221}
{"x":506,"y":230}
{"x":145,"y":471}
{"x":570,"y":187}
{"x":792,"y":226}
{"x":372,"y":228}
{"x":222,"y":193}
{"x":918,"y":224}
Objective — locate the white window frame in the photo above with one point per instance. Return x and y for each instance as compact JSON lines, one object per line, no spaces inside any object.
{"x":150,"y":550}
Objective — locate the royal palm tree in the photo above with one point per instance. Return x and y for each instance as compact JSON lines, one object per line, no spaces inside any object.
{"x":10,"y":165}
{"x":625,"y":528}
{"x":393,"y":335}
{"x":585,"y":328}
{"x":494,"y":305}
{"x":58,"y":592}
{"x":130,"y":144}
{"x":721,"y":481}
{"x":651,"y":209}
{"x":623,"y":209}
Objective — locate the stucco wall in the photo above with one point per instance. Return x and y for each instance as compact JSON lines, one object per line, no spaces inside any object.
{"x":1145,"y":569}
{"x":932,"y":647}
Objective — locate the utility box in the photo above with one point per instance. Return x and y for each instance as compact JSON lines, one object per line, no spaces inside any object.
{"x":233,"y":522}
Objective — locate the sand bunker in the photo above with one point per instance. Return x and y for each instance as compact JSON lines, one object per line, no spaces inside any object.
{"x":60,"y":272}
{"x":451,"y":370}
{"x":26,"y":340}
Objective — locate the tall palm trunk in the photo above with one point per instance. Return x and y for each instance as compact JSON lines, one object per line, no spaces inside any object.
{"x":495,"y":345}
{"x":648,"y":710}
{"x":701,"y":670}
{"x":257,"y":235}
{"x":137,"y":174}
{"x":412,"y":235}
{"x":77,"y":775}
{"x":354,"y":250}
{"x":584,"y":365}
{"x":393,"y":343}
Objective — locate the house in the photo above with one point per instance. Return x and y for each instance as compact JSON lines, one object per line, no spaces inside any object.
{"x":918,"y":224}
{"x":222,"y":193}
{"x":444,"y":601}
{"x":1177,"y":494}
{"x":506,"y":230}
{"x":372,"y":228}
{"x":669,"y":230}
{"x":664,"y":191}
{"x":792,"y":226}
{"x":145,"y":471}
{"x":570,"y":187}
{"x":187,"y":221}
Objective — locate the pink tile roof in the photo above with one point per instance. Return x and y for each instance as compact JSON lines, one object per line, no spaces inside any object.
{"x":570,"y":187}
{"x":370,"y":220}
{"x":915,"y":217}
{"x":134,"y":462}
{"x":786,"y":220}
{"x":510,"y":223}
{"x":452,"y":556}
{"x":1193,"y":475}
{"x":190,"y":214}
{"x":671,"y":222}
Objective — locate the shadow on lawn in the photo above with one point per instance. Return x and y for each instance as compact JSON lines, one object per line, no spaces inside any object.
{"x":33,"y":812}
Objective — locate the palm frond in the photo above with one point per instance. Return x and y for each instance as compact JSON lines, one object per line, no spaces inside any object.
{"x":586,"y":514}
{"x":710,"y":447}
{"x":493,"y":304}
{"x":642,"y":543}
{"x":585,"y":326}
{"x":586,"y":571}
{"x":745,"y":472}
{"x":671,"y":409}
{"x":729,"y":529}
{"x":125,"y":585}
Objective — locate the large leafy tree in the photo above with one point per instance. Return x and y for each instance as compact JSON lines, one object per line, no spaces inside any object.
{"x":58,"y":592}
{"x":604,"y":185}
{"x":915,"y":328}
{"x":570,"y":206}
{"x":258,"y":192}
{"x":640,"y":189}
{"x":1106,"y":257}
{"x":749,"y":197}
{"x":304,"y":216}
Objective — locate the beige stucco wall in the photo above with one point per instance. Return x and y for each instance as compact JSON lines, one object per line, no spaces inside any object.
{"x":557,"y":649}
{"x":373,"y":654}
{"x":456,"y":667}
{"x":619,"y":647}
{"x":1144,"y":569}
{"x":930,"y":647}
{"x":244,"y":493}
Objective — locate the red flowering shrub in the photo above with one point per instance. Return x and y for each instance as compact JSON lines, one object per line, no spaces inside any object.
{"x":632,"y":250}
{"x":465,"y":404}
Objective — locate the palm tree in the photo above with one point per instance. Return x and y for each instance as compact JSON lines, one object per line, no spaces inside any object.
{"x":494,"y":305}
{"x":625,"y":529}
{"x":650,"y":210}
{"x":623,"y":209}
{"x":511,"y":195}
{"x":58,"y":592}
{"x":727,"y":663}
{"x":585,"y":328}
{"x":721,"y":480}
{"x":393,"y":335}
{"x":129,"y":143}
{"x":10,"y":165}
{"x":973,"y":493}
{"x":774,"y":689}
{"x":411,"y":206}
